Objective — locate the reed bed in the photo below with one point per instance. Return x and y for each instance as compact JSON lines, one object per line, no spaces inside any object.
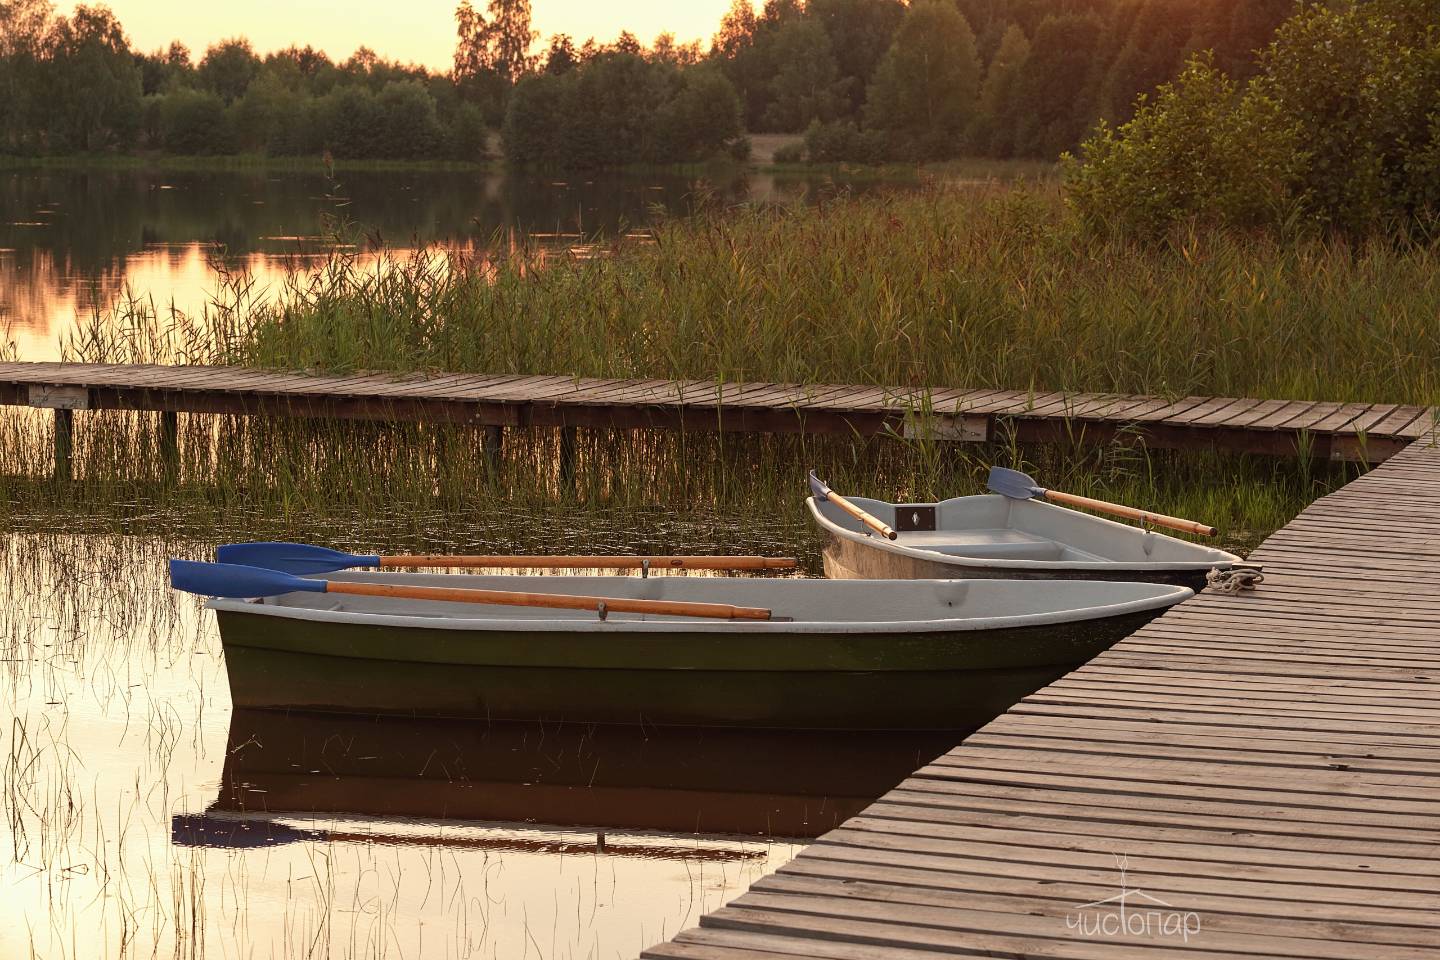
{"x":430,"y":487}
{"x":992,"y":286}
{"x":981,"y":286}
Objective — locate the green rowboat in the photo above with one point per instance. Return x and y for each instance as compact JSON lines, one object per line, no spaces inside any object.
{"x":874,"y":655}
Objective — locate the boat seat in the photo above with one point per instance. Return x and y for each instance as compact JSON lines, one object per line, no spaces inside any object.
{"x":997,"y":544}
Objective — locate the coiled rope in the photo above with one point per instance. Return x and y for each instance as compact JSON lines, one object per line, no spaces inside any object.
{"x":1233,"y":579}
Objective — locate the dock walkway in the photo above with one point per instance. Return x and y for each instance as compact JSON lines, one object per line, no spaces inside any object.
{"x":1326,"y":430}
{"x":1247,"y":776}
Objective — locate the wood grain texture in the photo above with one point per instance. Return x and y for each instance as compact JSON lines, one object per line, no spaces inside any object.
{"x":1269,"y":762}
{"x":1354,"y":431}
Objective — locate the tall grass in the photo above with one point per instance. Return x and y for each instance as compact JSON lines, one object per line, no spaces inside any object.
{"x":435,"y":488}
{"x":994,"y":287}
{"x":977,"y":287}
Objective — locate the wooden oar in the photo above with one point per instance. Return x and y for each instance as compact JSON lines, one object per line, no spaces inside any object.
{"x":822,"y":491}
{"x":302,"y":558}
{"x":236,"y":580}
{"x":1020,"y":486}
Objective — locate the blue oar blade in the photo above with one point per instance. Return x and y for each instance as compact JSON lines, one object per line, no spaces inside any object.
{"x":1013,"y":484}
{"x":300,"y":559}
{"x":235,"y":580}
{"x":818,"y":487}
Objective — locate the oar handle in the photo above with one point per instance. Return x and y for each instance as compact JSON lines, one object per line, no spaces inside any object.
{"x":594,"y":563}
{"x":874,"y":523}
{"x":674,"y":608}
{"x":1120,"y":510}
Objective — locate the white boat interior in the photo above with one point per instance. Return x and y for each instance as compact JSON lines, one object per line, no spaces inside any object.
{"x":798,"y":604}
{"x":991,"y":527}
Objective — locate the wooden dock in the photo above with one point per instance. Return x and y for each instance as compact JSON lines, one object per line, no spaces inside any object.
{"x":1340,"y":431}
{"x":1265,"y":768}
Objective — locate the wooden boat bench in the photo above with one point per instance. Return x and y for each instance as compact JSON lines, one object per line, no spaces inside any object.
{"x":995,"y":544}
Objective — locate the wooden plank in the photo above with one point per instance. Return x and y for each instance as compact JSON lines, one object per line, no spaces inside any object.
{"x":1259,"y":412}
{"x":1156,"y":409}
{"x":1038,"y":901}
{"x":1401,"y":418}
{"x":1236,"y":408}
{"x":1284,"y":416}
{"x":1206,"y":408}
{"x":1116,"y":407}
{"x":1341,"y":418}
{"x":1001,"y":403}
{"x":1391,"y":924}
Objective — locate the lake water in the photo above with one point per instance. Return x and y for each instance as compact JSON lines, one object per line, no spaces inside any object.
{"x":140,"y":815}
{"x":74,"y":241}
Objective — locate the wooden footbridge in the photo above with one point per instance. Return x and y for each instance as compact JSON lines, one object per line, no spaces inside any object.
{"x":1342,"y":431}
{"x":1248,"y":776}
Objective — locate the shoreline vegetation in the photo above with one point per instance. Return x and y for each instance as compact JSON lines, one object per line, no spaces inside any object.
{"x":962,"y":170}
{"x":998,"y":285}
{"x":994,"y":286}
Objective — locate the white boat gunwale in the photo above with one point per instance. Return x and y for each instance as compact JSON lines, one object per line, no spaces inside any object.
{"x":1224,"y":561}
{"x":1153,"y":597}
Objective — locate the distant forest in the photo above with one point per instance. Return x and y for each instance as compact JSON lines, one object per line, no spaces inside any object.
{"x":864,"y":80}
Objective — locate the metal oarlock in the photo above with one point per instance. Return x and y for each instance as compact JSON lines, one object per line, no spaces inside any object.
{"x":603,"y":610}
{"x":644,"y":569}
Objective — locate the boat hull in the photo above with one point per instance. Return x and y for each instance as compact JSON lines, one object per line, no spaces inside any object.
{"x":943,"y":680}
{"x":849,"y":559}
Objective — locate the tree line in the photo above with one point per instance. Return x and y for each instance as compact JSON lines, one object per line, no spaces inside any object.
{"x":73,"y":84}
{"x":882,"y":79}
{"x":864,"y":80}
{"x":873,"y":80}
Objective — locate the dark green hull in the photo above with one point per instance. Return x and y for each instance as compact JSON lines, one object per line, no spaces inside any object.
{"x":860,"y":681}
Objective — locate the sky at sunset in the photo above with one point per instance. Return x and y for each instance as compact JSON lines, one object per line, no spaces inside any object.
{"x":420,"y":31}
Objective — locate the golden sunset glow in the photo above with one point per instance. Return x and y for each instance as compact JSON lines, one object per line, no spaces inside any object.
{"x":419,"y":31}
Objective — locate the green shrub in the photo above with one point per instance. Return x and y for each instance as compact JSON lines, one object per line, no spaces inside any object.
{"x":194,"y":122}
{"x":1198,"y":151}
{"x":843,"y":142}
{"x":1339,"y":130}
{"x":409,"y":128}
{"x":790,"y":153}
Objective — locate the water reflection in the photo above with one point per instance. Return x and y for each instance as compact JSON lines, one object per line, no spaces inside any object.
{"x":596,"y":777}
{"x":142,"y":817}
{"x":73,"y":241}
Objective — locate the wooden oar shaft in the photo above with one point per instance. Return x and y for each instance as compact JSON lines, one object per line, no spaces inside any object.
{"x":675,"y":608}
{"x":1120,"y":510}
{"x":874,"y":523}
{"x":594,"y":563}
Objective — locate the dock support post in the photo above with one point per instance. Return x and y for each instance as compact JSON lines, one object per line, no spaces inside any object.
{"x":64,"y":443}
{"x":567,"y":456}
{"x":170,"y":441}
{"x":492,"y":442}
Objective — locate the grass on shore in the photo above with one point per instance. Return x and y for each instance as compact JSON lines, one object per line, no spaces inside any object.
{"x":981,"y":287}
